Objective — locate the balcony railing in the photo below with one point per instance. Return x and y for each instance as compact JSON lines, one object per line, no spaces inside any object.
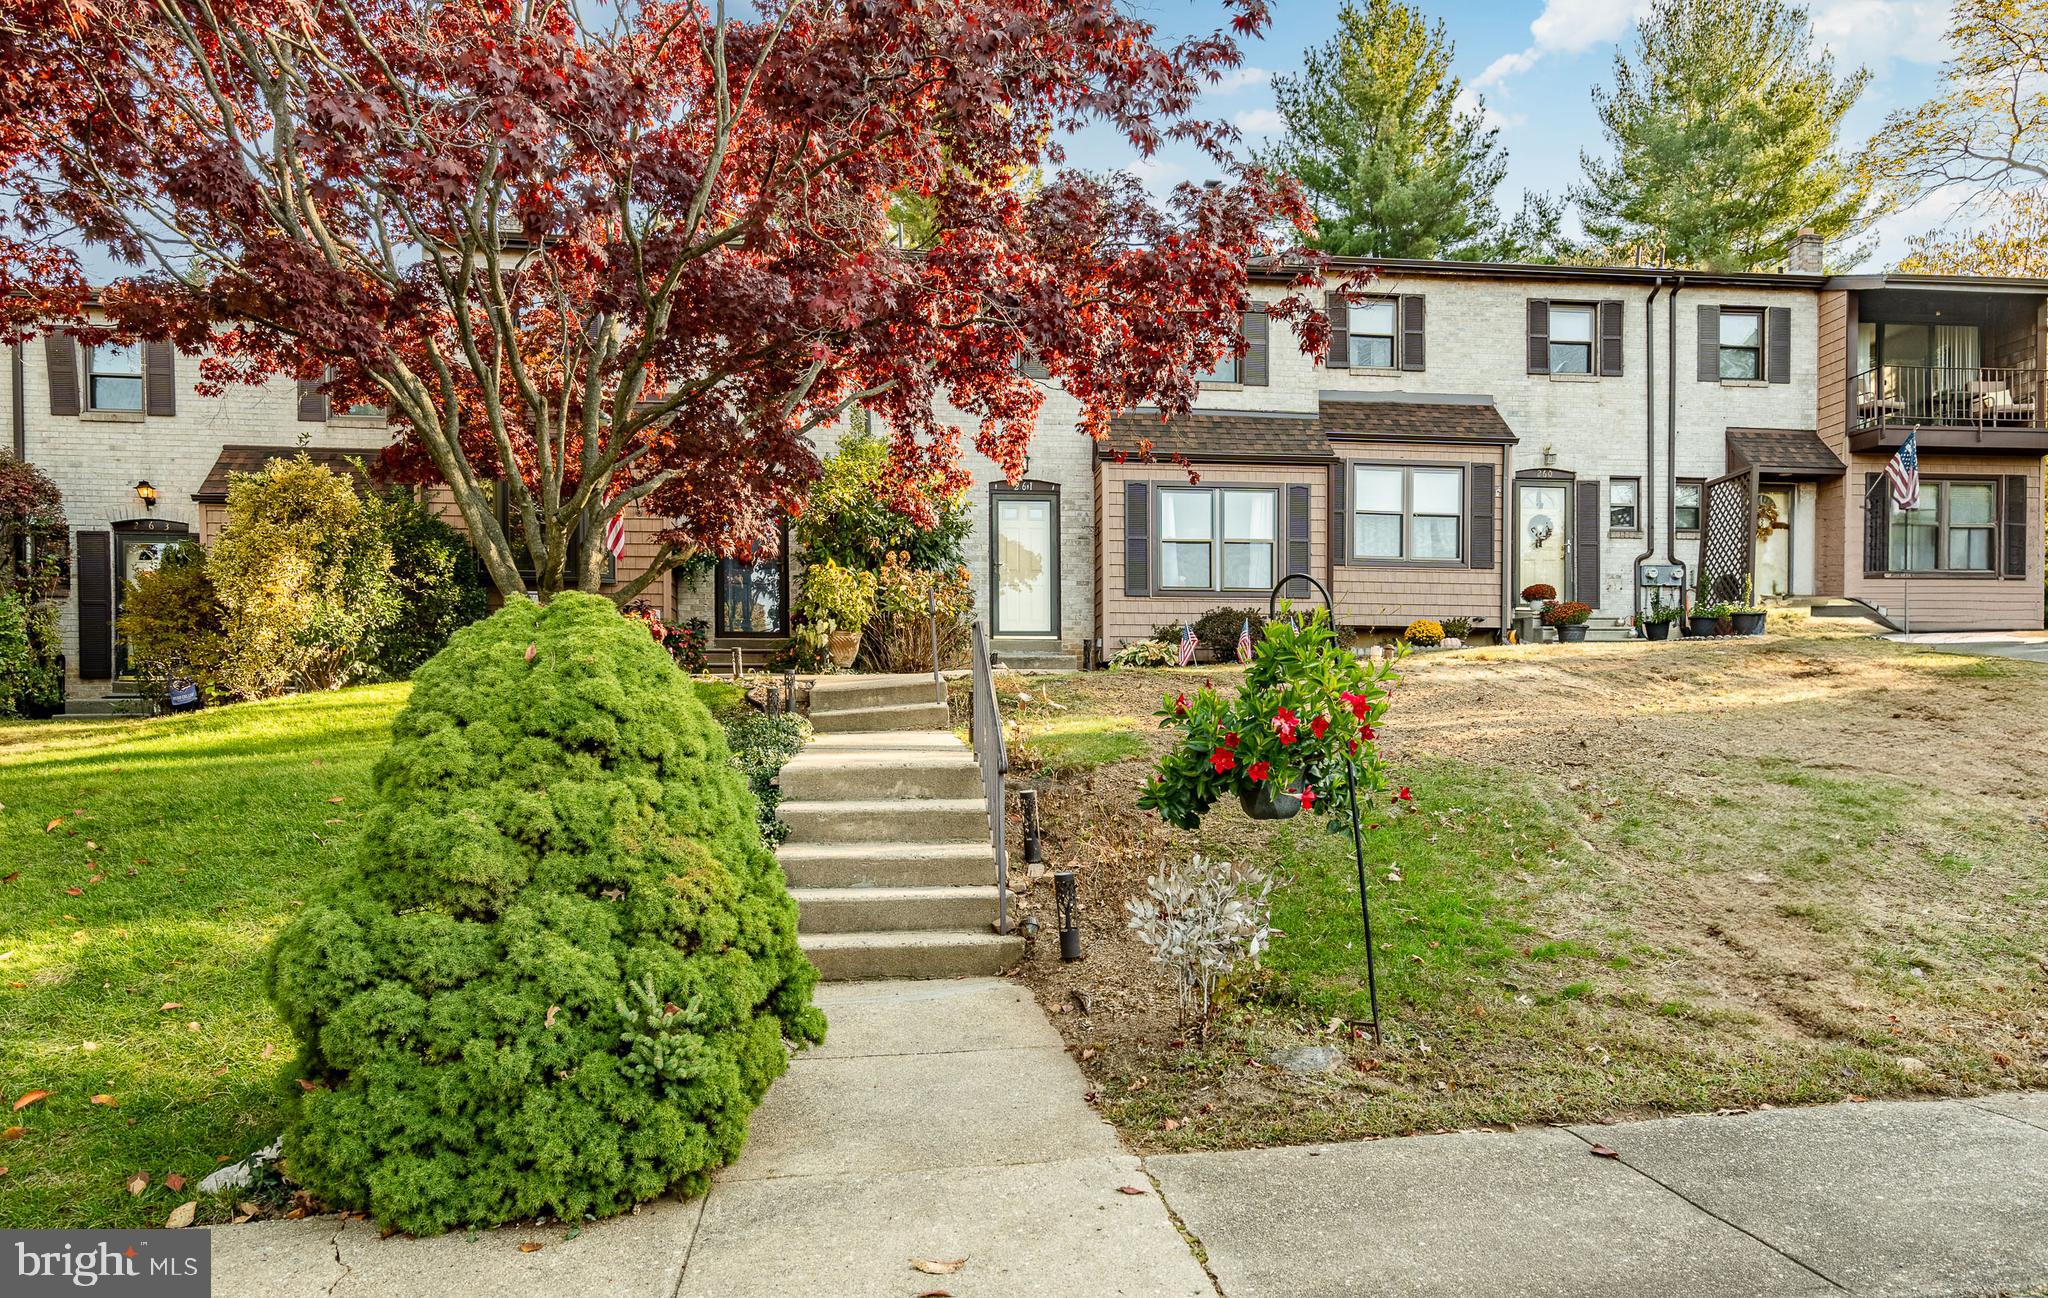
{"x":1948,"y":396}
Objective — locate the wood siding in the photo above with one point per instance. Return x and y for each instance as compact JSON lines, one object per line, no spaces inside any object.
{"x":1381,"y":595}
{"x":1940,"y":603}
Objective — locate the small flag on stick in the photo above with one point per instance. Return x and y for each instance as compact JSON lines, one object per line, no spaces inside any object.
{"x":1187,"y":643}
{"x":1244,"y":642}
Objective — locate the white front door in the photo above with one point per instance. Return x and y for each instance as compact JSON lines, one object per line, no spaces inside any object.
{"x":1542,"y":512}
{"x":1774,"y":543}
{"x":1027,"y":566}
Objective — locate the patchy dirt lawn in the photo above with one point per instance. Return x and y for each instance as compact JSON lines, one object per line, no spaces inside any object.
{"x":1638,"y":879}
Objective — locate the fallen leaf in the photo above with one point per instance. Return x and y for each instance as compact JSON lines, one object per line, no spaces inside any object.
{"x":1602,"y":1151}
{"x":531,"y":650}
{"x":74,"y":892}
{"x":169,"y":1005}
{"x":91,"y":846}
{"x":248,"y":1209}
{"x":107,"y":1100}
{"x":10,"y":876}
{"x":1129,"y":1189}
{"x":28,"y":1098}
{"x":1171,"y":1124}
{"x":268,"y":1047}
{"x":53,"y":824}
{"x":13,"y":1133}
{"x":137,"y":1183}
{"x":928,"y":1293}
{"x":175,"y":1182}
{"x":182,"y":1215}
{"x":530,"y":1246}
{"x":549,"y":1020}
{"x":308,"y":1085}
{"x":932,"y":1266}
{"x":335,"y":798}
{"x":88,"y":1046}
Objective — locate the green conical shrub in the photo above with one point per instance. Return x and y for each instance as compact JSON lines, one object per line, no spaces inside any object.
{"x":561,"y":974}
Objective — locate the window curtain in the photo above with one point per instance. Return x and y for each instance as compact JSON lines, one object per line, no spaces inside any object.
{"x":1956,"y":354}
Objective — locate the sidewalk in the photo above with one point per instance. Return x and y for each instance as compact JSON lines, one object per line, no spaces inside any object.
{"x":943,"y":1121}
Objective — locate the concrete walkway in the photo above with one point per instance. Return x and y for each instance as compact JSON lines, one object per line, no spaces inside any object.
{"x":2027,"y":646}
{"x":943,"y":1121}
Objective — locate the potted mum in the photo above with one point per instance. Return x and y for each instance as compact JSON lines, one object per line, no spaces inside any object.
{"x":1456,"y":629}
{"x":1568,"y":618}
{"x":1424,"y":632}
{"x":844,"y":599}
{"x":1306,"y":710}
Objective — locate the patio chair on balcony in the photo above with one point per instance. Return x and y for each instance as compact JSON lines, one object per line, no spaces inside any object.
{"x":1992,"y":401}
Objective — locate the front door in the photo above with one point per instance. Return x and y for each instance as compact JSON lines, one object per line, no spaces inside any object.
{"x":1774,"y":543}
{"x":135,"y":553}
{"x":1026,"y":565}
{"x":1542,"y":516}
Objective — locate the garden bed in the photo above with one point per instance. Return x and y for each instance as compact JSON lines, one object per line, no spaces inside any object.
{"x":1713,"y":875}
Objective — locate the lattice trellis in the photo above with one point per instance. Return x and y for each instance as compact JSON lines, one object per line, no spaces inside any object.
{"x":1728,"y":542}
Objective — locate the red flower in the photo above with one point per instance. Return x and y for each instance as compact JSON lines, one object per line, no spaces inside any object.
{"x":1308,"y":797}
{"x":1318,"y":726}
{"x":1284,"y":724}
{"x":1222,"y":760}
{"x":1369,"y":733}
{"x":1360,"y":704}
{"x":1230,"y":739}
{"x":1404,"y":795}
{"x":1180,"y":705}
{"x":1354,"y":747}
{"x":1259,"y":770}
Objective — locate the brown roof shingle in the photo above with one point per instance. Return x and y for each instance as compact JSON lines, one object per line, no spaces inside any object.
{"x":1415,"y":421}
{"x":1218,"y":435}
{"x":1781,"y":450}
{"x":251,"y":459}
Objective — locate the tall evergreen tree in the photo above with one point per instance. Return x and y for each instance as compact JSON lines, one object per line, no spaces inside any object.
{"x":1393,"y":163}
{"x":1725,"y":125}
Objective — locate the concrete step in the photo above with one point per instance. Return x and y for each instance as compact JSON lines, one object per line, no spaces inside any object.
{"x":854,"y":865}
{"x":845,"y":693}
{"x":894,"y":910}
{"x":118,"y":707}
{"x":961,"y":954}
{"x":831,"y":776}
{"x":909,"y":743}
{"x":1035,"y":655}
{"x":886,"y":820}
{"x":900,"y":716}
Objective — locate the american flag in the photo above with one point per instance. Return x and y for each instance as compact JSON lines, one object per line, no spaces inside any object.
{"x":1903,"y":472}
{"x":1244,"y":642}
{"x":1187,"y":643}
{"x":615,"y":536}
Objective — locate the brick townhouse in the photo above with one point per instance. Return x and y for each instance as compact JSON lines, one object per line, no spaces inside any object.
{"x":1472,"y":429}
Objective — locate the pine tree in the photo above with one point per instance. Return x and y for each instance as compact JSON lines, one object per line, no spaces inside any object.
{"x":1725,"y":125}
{"x":1394,"y":163}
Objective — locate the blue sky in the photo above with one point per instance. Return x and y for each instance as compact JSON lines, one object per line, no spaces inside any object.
{"x":1535,"y":63}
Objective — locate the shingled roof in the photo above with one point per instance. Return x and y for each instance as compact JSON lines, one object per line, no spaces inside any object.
{"x":251,"y":459}
{"x":1791,"y":451}
{"x":1405,"y":417}
{"x":1240,"y":435}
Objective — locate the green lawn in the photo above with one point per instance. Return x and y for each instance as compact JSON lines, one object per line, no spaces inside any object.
{"x":148,"y":863}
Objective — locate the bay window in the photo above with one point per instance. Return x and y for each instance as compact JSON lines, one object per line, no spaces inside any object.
{"x":1407,"y":512}
{"x":1218,"y":538}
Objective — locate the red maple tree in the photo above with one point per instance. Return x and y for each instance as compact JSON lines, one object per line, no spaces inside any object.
{"x":592,"y":257}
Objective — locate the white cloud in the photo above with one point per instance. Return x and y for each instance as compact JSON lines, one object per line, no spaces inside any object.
{"x":1259,"y":121}
{"x":1245,"y":78}
{"x":1157,"y":175}
{"x":1874,"y":32}
{"x":1469,"y":101}
{"x":1565,"y":27}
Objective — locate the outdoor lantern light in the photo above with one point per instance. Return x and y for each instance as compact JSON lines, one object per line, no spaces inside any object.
{"x":1064,"y":907}
{"x":1033,"y":857}
{"x":146,"y":494}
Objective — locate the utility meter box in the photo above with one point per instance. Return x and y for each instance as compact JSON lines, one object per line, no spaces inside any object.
{"x":1660,"y":574}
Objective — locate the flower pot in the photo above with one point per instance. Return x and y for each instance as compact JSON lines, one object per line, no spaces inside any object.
{"x":844,"y":647}
{"x":1262,"y":801}
{"x":1453,"y":642}
{"x":1571,"y":632}
{"x":1749,"y":623}
{"x":1656,"y":630}
{"x":1699,"y":628}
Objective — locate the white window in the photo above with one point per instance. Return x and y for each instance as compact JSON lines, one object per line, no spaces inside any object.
{"x":1372,"y":334}
{"x":1954,"y":530}
{"x":1401,"y":512}
{"x":1624,"y":495}
{"x":1200,"y":525}
{"x":1685,"y":506}
{"x":1742,"y":344}
{"x":1571,"y":339}
{"x":114,"y":377}
{"x":1223,"y":371}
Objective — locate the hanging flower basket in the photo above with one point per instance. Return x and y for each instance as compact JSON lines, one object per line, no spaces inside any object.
{"x":1263,"y":801}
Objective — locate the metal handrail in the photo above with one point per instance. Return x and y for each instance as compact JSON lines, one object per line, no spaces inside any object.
{"x":1949,"y":396}
{"x":985,"y":730}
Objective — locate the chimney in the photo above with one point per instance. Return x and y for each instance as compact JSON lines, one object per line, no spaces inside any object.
{"x":1806,"y":254}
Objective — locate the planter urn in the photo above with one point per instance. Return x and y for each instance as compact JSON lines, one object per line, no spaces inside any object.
{"x":1262,"y":801}
{"x":844,"y":647}
{"x":1749,"y":623}
{"x":1571,"y":632}
{"x":1699,"y":628}
{"x":1656,"y":630}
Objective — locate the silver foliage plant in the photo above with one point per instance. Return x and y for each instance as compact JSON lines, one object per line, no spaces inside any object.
{"x":1202,"y":920}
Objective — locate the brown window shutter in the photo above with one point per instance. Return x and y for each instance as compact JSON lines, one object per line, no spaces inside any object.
{"x":1255,"y":370}
{"x":1479,"y":510}
{"x":1586,"y":542}
{"x":1411,"y":333}
{"x":1778,"y":344}
{"x":1338,"y":307}
{"x":1709,"y":344}
{"x":160,"y":379}
{"x":1299,"y":499}
{"x":312,"y":403}
{"x":95,"y":605}
{"x":2015,"y":520}
{"x":1610,"y":339}
{"x":1539,"y":336}
{"x":1877,"y":525}
{"x":1137,"y":539}
{"x":1340,"y":514}
{"x":62,"y":354}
